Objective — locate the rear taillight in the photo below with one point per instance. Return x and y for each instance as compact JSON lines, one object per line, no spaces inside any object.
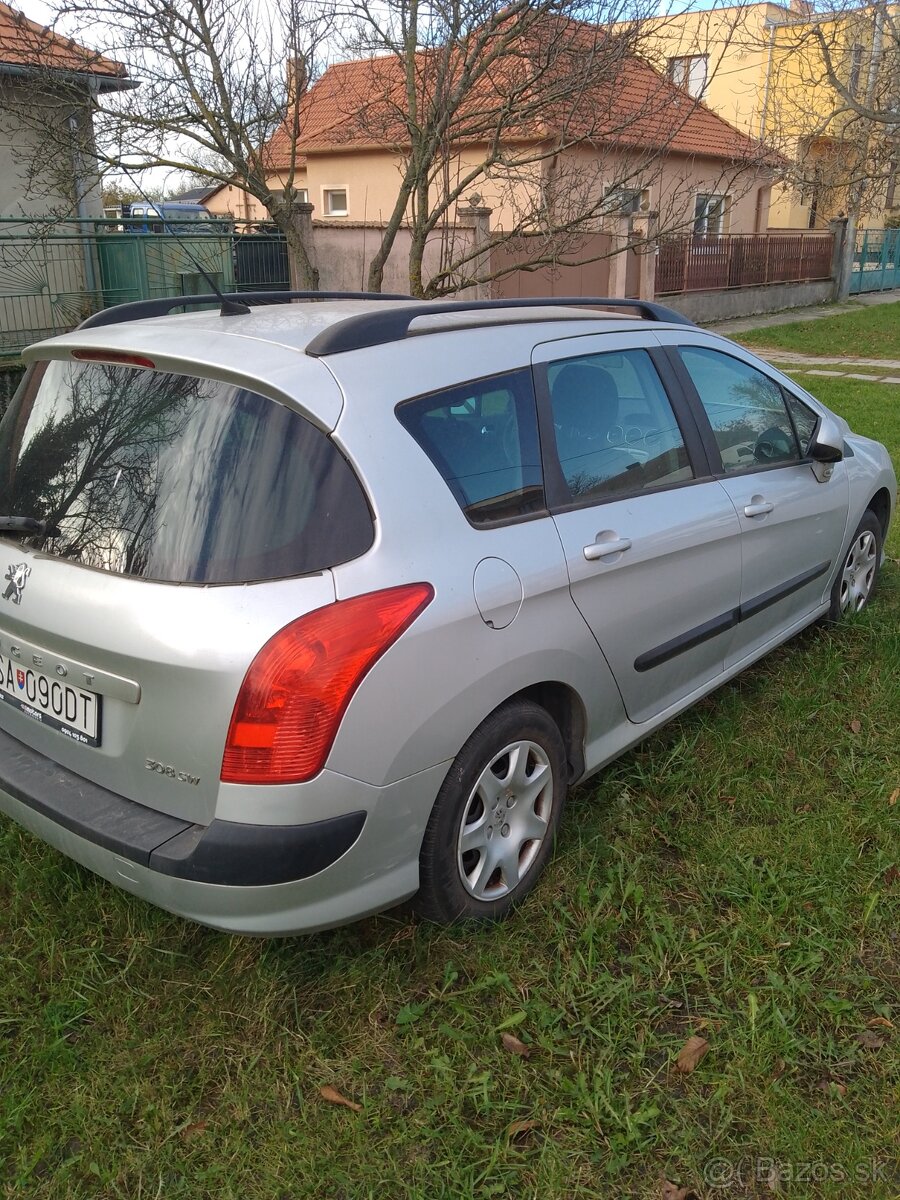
{"x":299,"y":685}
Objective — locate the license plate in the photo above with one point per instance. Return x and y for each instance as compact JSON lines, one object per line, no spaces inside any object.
{"x":71,"y":710}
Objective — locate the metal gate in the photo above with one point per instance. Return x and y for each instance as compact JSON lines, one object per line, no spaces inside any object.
{"x":876,"y":264}
{"x":143,"y":266}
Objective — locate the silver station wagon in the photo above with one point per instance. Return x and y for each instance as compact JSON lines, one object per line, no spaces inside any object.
{"x":313,"y":607}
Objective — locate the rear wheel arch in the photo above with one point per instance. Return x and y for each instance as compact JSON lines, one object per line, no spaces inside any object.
{"x":566,"y":708}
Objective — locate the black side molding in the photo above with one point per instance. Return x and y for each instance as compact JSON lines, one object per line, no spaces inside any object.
{"x":766,"y":599}
{"x":224,"y":852}
{"x":686,"y":641}
{"x":710,"y":629}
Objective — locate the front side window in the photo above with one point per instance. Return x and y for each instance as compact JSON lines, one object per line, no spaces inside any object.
{"x":805,"y":421}
{"x":483,"y":438}
{"x":615,"y":429}
{"x":745,"y":408}
{"x":176,"y":478}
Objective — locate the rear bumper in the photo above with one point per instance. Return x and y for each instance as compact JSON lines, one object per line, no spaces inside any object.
{"x":258,"y":879}
{"x":223,"y":852}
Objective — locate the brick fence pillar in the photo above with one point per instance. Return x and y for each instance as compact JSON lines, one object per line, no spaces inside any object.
{"x":617,"y":229}
{"x":838,"y":227}
{"x":644,"y":226}
{"x":304,"y":227}
{"x":481,"y":239}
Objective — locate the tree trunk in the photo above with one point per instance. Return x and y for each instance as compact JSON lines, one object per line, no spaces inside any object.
{"x":375,"y":278}
{"x":420,"y":231}
{"x":304,"y":274}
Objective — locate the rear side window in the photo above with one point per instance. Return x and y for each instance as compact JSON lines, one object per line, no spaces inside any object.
{"x":483,"y":439}
{"x":176,"y":478}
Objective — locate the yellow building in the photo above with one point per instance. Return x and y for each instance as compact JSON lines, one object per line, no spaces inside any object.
{"x":763,"y":68}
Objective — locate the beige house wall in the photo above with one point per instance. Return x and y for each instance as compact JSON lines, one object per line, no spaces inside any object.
{"x":232,"y":201}
{"x":372,"y":178}
{"x":674,"y":182}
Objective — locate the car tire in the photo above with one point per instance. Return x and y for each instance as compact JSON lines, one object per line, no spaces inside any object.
{"x":858,"y":575}
{"x":495,"y":818}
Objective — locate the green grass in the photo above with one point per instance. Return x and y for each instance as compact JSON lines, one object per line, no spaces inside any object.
{"x":735,"y":877}
{"x":867,"y":332}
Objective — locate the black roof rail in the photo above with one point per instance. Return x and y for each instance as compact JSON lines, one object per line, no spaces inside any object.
{"x":392,"y":325}
{"x":161,"y":306}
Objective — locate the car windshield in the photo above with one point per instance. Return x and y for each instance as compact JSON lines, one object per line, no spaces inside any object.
{"x":176,"y":478}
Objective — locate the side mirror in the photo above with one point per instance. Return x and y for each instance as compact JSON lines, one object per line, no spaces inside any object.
{"x":828,"y":443}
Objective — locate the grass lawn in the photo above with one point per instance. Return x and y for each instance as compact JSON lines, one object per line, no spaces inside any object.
{"x":736,"y":878}
{"x":868,"y":332}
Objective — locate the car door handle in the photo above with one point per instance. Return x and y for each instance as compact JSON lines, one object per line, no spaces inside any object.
{"x":758,"y":509}
{"x":600,"y":549}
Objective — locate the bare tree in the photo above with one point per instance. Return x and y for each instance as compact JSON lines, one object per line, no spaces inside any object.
{"x":539,"y":108}
{"x":216,"y":79}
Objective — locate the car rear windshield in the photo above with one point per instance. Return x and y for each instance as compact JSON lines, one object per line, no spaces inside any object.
{"x":176,"y":478}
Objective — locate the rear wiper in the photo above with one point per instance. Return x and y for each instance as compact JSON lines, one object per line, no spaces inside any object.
{"x":28,"y":525}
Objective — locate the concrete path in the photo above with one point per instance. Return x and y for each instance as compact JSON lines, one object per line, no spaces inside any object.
{"x":763,"y":321}
{"x":880,"y":370}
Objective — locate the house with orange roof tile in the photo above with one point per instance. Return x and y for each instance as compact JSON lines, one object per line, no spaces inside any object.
{"x":638,"y":141}
{"x":47,"y":80}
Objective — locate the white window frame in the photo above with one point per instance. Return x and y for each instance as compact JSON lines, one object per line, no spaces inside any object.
{"x":690,"y":72}
{"x":327,"y":191}
{"x":303,"y":195}
{"x":625,"y":199}
{"x":722,"y":222}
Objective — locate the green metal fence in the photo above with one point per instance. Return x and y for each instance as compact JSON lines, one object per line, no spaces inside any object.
{"x":876,"y":265}
{"x":53,"y":274}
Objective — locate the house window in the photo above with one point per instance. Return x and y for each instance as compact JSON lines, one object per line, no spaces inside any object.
{"x":856,"y":61}
{"x":709,"y":215}
{"x":626,"y":201}
{"x":334,"y":201}
{"x":302,"y":196}
{"x":690,"y":73}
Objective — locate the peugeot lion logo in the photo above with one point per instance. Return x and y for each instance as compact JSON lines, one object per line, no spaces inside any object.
{"x":17,"y":574}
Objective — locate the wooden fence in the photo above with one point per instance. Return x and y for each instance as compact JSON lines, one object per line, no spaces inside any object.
{"x":700,"y":264}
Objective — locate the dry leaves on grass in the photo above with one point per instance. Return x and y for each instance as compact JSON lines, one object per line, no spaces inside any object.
{"x":891,"y":875}
{"x":879,"y":1022}
{"x":869,"y":1040}
{"x":671,"y":1191}
{"x":333,"y":1096}
{"x":691,"y":1054}
{"x":193,"y":1129}
{"x":519,"y":1129}
{"x":826,"y":1085}
{"x":514,"y":1045}
{"x":894,"y":797}
{"x":856,"y":725}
